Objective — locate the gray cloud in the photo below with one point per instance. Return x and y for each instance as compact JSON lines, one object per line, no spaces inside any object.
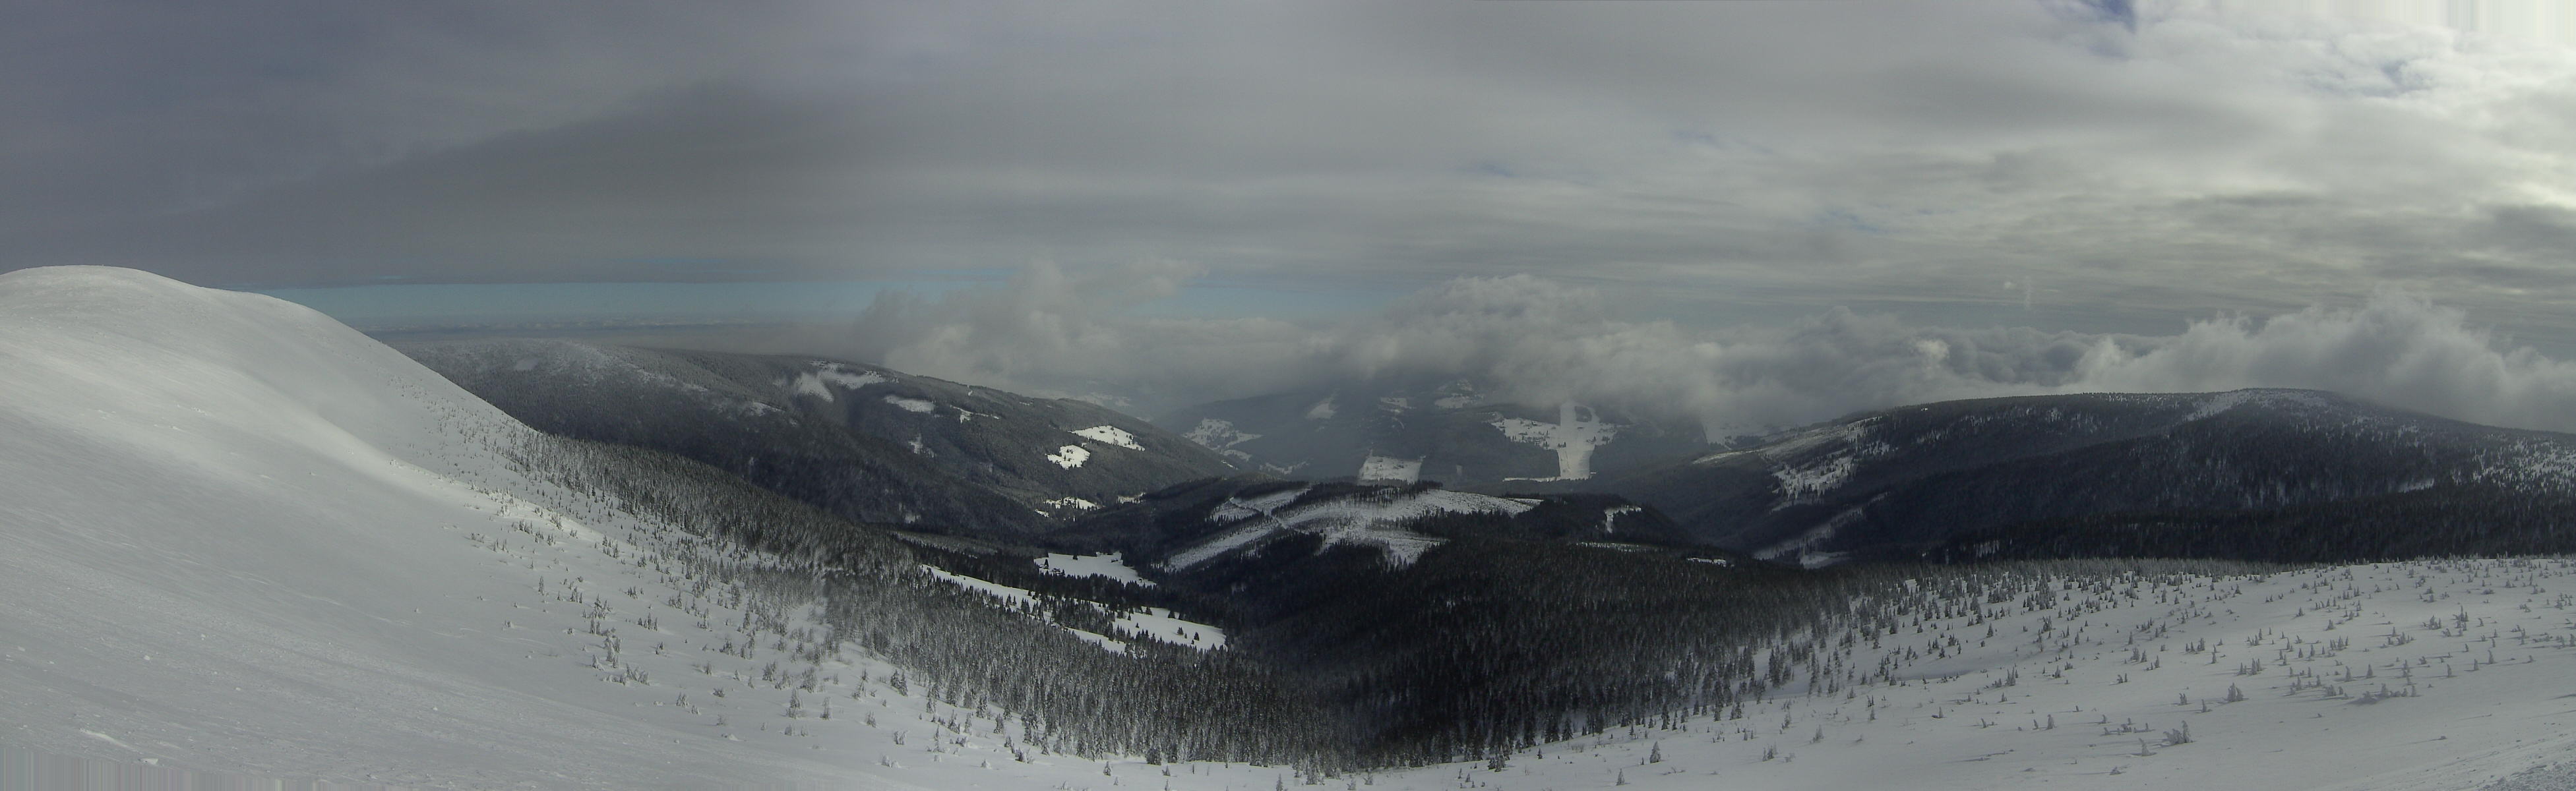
{"x":2175,"y":161}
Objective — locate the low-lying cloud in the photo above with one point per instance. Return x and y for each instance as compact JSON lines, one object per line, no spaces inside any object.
{"x":1540,"y":341}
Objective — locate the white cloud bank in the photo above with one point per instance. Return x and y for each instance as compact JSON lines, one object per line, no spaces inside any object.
{"x":1542,"y":342}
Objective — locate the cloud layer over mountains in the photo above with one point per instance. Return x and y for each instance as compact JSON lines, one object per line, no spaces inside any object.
{"x":1541,"y":341}
{"x":2179,"y":157}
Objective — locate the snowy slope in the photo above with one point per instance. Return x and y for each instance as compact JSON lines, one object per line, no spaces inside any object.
{"x":243,"y":538}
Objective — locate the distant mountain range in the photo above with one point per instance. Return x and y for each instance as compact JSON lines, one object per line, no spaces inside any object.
{"x":2249,"y":474}
{"x":865,"y":442}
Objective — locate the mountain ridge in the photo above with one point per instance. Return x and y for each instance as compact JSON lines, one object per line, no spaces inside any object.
{"x":867,"y":442}
{"x":1893,"y":483}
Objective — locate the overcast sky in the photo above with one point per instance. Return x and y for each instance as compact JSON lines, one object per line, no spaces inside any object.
{"x":2041,"y":165}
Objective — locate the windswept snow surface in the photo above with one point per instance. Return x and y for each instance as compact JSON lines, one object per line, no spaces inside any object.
{"x":1378,"y":520}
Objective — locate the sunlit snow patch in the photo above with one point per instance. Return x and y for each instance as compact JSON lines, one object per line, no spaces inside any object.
{"x":1112,"y":435}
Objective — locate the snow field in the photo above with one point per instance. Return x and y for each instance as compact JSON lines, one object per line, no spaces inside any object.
{"x":1112,"y":435}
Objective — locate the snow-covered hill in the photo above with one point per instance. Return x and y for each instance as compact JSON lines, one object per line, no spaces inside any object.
{"x":242,"y":538}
